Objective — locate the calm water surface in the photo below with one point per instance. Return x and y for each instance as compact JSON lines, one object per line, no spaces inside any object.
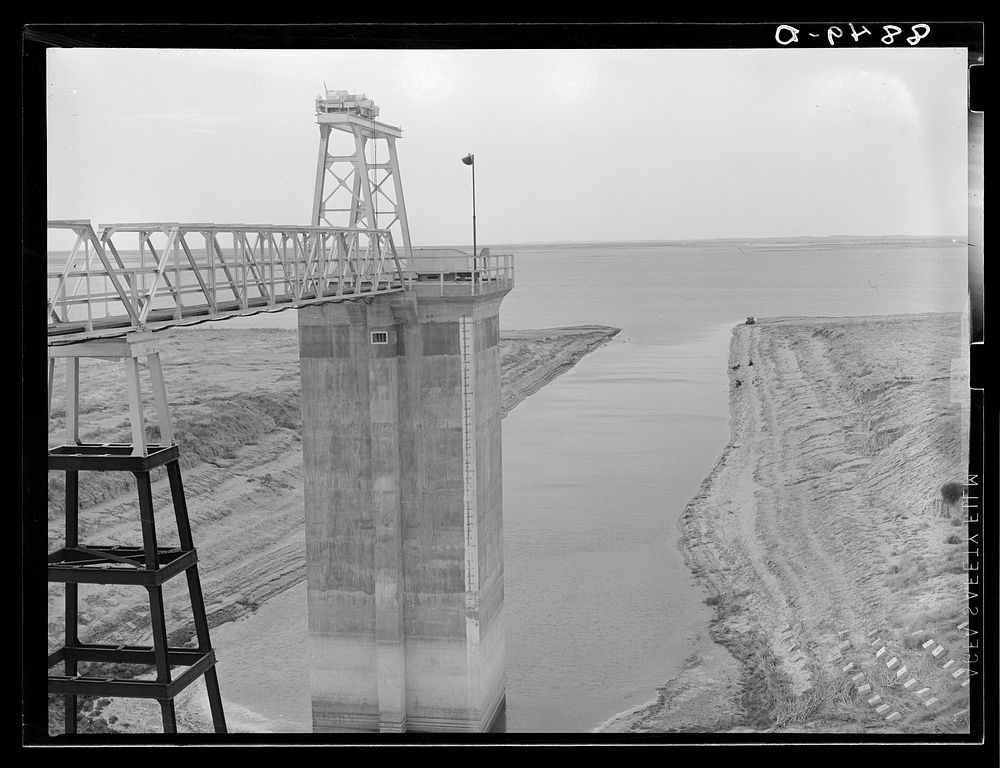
{"x":599,"y":464}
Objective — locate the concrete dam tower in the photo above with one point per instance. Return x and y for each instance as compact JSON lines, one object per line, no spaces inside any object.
{"x":401,"y":416}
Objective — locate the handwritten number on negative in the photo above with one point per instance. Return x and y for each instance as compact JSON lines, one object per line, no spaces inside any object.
{"x":890,"y":36}
{"x":786,"y":34}
{"x":917,"y":36}
{"x":864,"y":31}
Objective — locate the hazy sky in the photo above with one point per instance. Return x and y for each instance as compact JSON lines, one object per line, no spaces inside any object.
{"x":569,"y":144}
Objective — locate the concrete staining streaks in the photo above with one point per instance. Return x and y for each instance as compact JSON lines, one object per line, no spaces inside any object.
{"x":404,"y":541}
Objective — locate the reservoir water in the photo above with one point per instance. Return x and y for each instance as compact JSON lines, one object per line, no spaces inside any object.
{"x":599,"y":464}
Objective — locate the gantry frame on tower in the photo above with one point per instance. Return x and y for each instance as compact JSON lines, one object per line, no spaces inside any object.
{"x":351,"y":190}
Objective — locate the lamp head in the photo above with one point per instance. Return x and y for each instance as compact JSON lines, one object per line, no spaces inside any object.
{"x":469,"y":159}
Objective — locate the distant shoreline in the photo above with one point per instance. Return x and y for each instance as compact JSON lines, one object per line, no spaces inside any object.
{"x":832,"y":242}
{"x":758,"y":243}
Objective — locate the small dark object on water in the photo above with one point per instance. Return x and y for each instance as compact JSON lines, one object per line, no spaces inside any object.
{"x":751,"y":362}
{"x":733,"y":368}
{"x":739,"y":383}
{"x":751,"y":320}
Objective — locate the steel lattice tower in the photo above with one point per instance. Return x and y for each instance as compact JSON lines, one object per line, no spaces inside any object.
{"x":351,"y":189}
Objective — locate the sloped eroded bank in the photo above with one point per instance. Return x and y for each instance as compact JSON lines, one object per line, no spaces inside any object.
{"x":826,"y":532}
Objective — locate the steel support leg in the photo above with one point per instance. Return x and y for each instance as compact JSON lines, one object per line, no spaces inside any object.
{"x":159,"y":625}
{"x":195,"y":594}
{"x":156,"y":615}
{"x":169,"y":716}
{"x":139,"y":447}
{"x":160,"y":398}
{"x":215,"y":700}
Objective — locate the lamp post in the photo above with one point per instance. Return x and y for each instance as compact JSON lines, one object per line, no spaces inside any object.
{"x":470,"y":159}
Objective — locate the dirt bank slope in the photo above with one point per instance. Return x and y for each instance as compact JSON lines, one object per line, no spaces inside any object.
{"x":823,"y":537}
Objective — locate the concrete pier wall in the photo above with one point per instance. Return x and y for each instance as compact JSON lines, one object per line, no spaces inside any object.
{"x":403,"y":497}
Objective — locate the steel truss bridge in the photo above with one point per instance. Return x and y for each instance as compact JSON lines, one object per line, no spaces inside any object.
{"x":134,"y":277}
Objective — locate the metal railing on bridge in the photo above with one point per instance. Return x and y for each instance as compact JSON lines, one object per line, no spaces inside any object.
{"x":149,"y":276}
{"x":449,"y":271}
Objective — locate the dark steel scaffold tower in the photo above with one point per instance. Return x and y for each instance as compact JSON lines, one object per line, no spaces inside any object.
{"x":148,"y":566}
